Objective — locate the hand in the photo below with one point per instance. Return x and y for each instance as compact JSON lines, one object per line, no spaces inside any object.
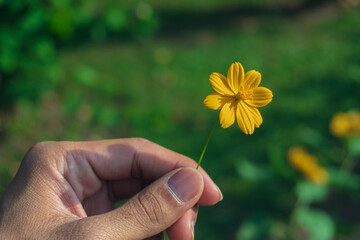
{"x":67,"y":190}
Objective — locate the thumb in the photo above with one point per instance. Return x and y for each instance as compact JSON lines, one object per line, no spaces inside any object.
{"x":155,"y":208}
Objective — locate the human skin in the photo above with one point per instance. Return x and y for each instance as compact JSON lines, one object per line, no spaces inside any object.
{"x":67,"y":190}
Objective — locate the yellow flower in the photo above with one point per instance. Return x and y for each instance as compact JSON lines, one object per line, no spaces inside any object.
{"x":345,"y":124}
{"x":238,"y":96}
{"x":307,"y":165}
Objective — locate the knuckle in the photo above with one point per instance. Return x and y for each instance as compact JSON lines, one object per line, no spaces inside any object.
{"x":38,"y":147}
{"x":40,"y":152}
{"x":140,"y":141}
{"x":36,"y":151}
{"x":42,"y":147}
{"x":150,"y":208}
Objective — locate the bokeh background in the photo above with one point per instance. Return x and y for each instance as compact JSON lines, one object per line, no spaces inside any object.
{"x":88,"y":70}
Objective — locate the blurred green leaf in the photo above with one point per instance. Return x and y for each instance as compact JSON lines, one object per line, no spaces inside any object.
{"x":86,"y":12}
{"x":44,"y":49}
{"x":108,"y":116}
{"x":250,"y":171}
{"x":115,"y":18}
{"x":85,"y":75}
{"x":308,"y":192}
{"x":72,"y":101}
{"x":248,"y":231}
{"x":8,"y":61}
{"x":354,"y":146}
{"x":259,"y":228}
{"x":311,"y":136}
{"x":277,"y":159}
{"x":16,"y":5}
{"x":61,"y":23}
{"x":318,"y":224}
{"x":33,"y":20}
{"x":98,"y":32}
{"x":344,"y":179}
{"x":354,"y":72}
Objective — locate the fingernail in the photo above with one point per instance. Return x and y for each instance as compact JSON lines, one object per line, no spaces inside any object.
{"x":185,"y":184}
{"x":220,"y":194}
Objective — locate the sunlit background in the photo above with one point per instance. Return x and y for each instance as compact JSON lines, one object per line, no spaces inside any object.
{"x":88,"y":70}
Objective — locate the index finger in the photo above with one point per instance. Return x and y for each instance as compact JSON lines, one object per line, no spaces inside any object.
{"x":118,"y":159}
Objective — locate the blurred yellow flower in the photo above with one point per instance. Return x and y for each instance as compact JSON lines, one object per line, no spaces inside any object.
{"x":345,"y":124}
{"x":238,"y":96}
{"x":307,"y":165}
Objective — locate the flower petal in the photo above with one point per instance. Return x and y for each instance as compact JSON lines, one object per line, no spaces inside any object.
{"x":247,"y":118}
{"x":235,"y":76}
{"x":216,"y":101}
{"x":227,"y":114}
{"x":219,"y":84}
{"x":258,"y":120}
{"x":252,"y":79}
{"x":261,"y":97}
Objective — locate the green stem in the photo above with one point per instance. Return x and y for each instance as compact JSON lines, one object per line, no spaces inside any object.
{"x":207,"y":143}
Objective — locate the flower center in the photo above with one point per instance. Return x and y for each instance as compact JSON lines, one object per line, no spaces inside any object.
{"x":245,"y":94}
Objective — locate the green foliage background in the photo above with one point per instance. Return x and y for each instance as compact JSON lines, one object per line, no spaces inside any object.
{"x":88,"y":70}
